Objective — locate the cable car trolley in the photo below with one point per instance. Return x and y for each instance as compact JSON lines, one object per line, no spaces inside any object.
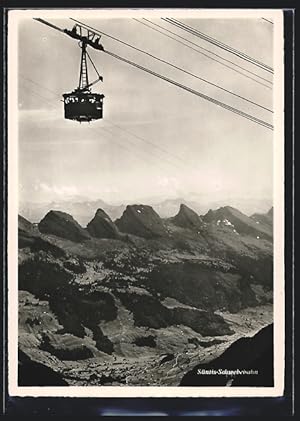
{"x":82,"y":104}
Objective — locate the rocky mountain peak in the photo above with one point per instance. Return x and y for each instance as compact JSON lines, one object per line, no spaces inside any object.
{"x":238,"y":221}
{"x":101,"y":226}
{"x":62,"y":225}
{"x":187,"y":218}
{"x":141,"y":220}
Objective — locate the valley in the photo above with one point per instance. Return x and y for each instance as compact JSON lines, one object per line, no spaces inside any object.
{"x":140,"y":300}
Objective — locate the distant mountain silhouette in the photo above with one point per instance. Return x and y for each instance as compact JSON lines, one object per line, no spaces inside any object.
{"x":170,"y":207}
{"x":82,"y":210}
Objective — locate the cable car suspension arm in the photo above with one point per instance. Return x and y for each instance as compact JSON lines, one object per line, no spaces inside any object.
{"x":100,"y":78}
{"x":91,"y":38}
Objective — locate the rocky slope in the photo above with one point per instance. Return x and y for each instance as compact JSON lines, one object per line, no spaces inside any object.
{"x":27,"y":232}
{"x":25,"y":226}
{"x":250,"y":354}
{"x":103,"y":310}
{"x":30,"y":238}
{"x":264,"y":218}
{"x":34,"y":373}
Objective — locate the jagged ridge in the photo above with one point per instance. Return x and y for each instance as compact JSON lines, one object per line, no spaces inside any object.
{"x":242,"y":223}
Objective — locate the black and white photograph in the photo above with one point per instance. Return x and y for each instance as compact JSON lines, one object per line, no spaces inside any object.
{"x":146,"y":205}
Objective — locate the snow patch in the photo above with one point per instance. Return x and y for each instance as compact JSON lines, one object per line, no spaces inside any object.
{"x":228,"y":223}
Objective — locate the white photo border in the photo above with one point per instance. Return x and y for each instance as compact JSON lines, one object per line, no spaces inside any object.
{"x":14,"y":17}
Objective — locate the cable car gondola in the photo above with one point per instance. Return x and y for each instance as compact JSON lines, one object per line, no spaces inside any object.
{"x":82,"y":104}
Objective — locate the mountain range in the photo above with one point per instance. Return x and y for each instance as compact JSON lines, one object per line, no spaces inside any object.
{"x":83,"y":209}
{"x":104,"y":304}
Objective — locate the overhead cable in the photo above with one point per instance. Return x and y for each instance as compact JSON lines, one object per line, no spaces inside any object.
{"x":219,"y":44}
{"x":205,"y":55}
{"x":267,"y":20}
{"x":194,"y":92}
{"x":176,"y":67}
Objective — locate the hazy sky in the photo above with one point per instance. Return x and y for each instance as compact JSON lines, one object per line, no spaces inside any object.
{"x":187,"y":145}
